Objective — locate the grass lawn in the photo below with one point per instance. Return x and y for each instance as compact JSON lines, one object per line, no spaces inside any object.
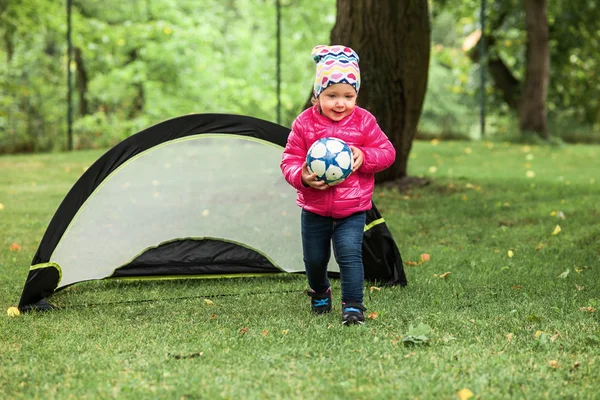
{"x":506,"y":308}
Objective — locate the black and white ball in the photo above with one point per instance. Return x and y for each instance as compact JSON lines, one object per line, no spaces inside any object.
{"x":331,"y":159}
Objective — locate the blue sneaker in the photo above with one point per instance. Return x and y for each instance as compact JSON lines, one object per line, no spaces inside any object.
{"x":353,"y":313}
{"x":320,"y":303}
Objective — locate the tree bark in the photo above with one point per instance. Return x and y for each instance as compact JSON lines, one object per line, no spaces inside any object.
{"x":392,"y":39}
{"x":537,"y":74}
{"x":82,"y":81}
{"x":8,"y":42}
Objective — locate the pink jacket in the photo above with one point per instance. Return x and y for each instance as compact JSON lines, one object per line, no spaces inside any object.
{"x":358,"y":129}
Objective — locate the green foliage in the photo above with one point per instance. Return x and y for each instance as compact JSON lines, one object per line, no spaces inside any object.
{"x":447,"y":112}
{"x":258,"y":339}
{"x":574,"y":52}
{"x":148,"y":61}
{"x":151,"y":60}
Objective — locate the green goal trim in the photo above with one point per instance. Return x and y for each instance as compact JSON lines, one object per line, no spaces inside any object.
{"x":48,"y":265}
{"x":373,"y":223}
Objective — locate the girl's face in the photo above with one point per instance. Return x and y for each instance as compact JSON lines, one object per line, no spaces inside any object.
{"x":337,"y":101}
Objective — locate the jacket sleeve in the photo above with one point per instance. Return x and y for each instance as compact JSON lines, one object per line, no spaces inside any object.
{"x":294,"y":155}
{"x":379,"y":153}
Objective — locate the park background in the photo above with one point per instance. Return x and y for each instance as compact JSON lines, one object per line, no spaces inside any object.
{"x":141,"y":62}
{"x":507,"y":307}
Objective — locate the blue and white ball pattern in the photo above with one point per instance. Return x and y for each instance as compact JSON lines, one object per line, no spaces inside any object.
{"x":331,"y":159}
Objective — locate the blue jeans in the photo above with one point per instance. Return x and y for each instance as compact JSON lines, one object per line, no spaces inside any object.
{"x":318,"y":233}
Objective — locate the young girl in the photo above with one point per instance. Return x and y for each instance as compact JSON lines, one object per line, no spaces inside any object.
{"x":336,"y":213}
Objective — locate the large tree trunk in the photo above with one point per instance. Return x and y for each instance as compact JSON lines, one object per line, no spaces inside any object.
{"x":392,"y":39}
{"x":537,"y":74}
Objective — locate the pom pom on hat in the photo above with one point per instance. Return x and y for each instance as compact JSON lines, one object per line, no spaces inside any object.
{"x":335,"y":64}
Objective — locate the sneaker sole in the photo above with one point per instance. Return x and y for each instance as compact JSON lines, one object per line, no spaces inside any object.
{"x":353,"y":322}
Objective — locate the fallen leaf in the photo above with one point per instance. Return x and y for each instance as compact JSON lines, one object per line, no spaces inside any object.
{"x":425,"y":257}
{"x":509,"y":337}
{"x":553,"y":213}
{"x":417,"y":335}
{"x":554,"y":337}
{"x":561,"y":215}
{"x":564,"y":274}
{"x":13,"y":312}
{"x":445,"y":275}
{"x":265,"y":332}
{"x":517,"y":287}
{"x":374,"y":288}
{"x":207,"y":301}
{"x":373,"y":315}
{"x":579,"y":288}
{"x":530,"y":174}
{"x":1,"y":206}
{"x":539,"y":246}
{"x":15,"y":247}
{"x":537,"y":334}
{"x":556,"y":230}
{"x":553,"y":364}
{"x":581,"y":269}
{"x":214,"y":316}
{"x":411,"y":263}
{"x":447,"y":339}
{"x":285,"y":331}
{"x":243,"y":331}
{"x":576,"y":365}
{"x":587,"y":309}
{"x":511,"y":253}
{"x":464,"y":394}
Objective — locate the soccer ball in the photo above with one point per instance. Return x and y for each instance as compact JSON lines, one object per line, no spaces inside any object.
{"x":331,"y":159}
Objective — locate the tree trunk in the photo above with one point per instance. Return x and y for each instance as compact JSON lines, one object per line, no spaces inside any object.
{"x":537,"y":74}
{"x":8,"y":42}
{"x":82,"y":81}
{"x":392,"y":39}
{"x":137,"y":105}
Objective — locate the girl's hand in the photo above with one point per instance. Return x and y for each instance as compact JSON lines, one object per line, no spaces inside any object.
{"x":358,"y":157}
{"x":311,"y":180}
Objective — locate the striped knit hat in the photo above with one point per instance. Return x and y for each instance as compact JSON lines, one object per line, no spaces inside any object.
{"x":335,"y":64}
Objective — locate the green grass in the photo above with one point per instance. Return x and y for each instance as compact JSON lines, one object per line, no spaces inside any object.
{"x":253,"y":344}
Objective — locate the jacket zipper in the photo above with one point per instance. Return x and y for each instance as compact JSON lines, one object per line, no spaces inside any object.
{"x":332,"y":188}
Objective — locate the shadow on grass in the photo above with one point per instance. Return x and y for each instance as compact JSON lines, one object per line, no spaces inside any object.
{"x":110,"y":292}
